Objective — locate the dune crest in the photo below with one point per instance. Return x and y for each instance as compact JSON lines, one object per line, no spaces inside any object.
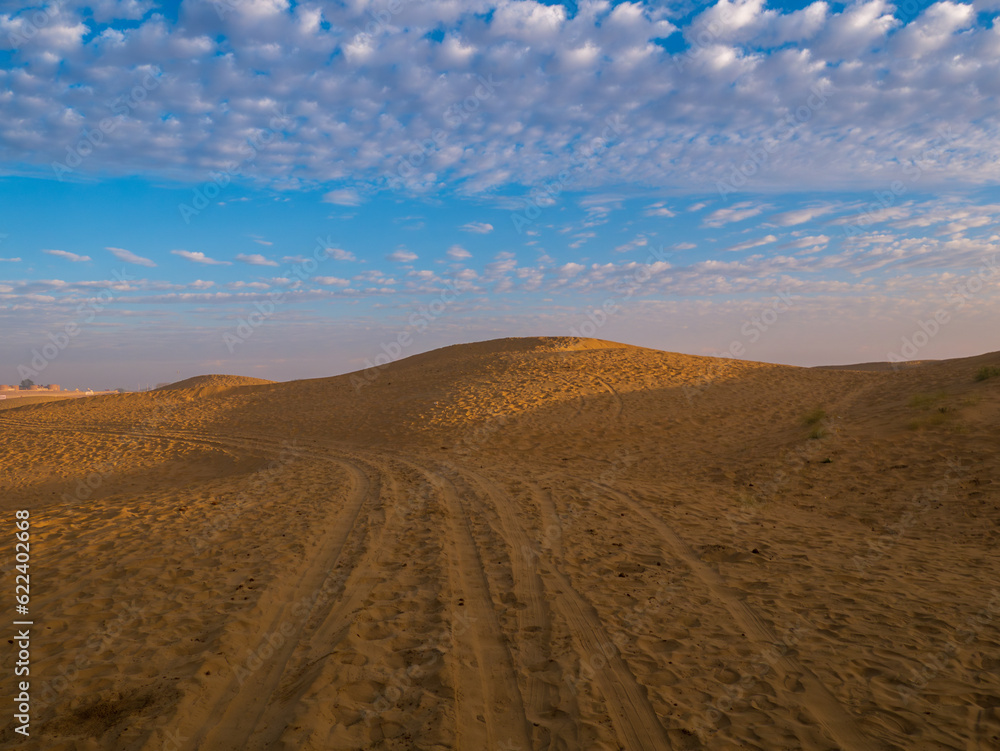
{"x":213,"y":385}
{"x":545,"y":543}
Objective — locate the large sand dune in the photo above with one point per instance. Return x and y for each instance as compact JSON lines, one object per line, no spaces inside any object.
{"x":519,"y":544}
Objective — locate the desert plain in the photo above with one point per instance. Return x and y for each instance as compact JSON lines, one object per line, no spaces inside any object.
{"x":550,"y":543}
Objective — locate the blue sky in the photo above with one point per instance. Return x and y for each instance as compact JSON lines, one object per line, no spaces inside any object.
{"x":660,"y":174}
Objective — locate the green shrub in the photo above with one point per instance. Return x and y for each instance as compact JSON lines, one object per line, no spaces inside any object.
{"x":817,"y":432}
{"x":931,"y":421}
{"x":926,"y":400}
{"x":814,"y":417}
{"x":987,"y":371}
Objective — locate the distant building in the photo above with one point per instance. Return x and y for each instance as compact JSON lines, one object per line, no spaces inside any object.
{"x":54,"y":387}
{"x":4,"y":387}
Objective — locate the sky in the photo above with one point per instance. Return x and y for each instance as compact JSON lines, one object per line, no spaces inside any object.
{"x":300,"y":189}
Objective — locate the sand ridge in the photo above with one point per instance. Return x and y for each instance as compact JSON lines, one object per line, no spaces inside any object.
{"x":548,"y":543}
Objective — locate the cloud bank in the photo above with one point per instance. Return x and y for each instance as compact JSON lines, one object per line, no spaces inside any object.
{"x":477,"y":96}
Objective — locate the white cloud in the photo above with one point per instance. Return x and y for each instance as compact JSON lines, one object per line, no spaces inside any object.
{"x":658,"y":209}
{"x":343,"y":197}
{"x":639,"y":242}
{"x":255,"y":259}
{"x":458,"y":253}
{"x":933,"y":30}
{"x":747,"y":244}
{"x":687,"y":119}
{"x":129,"y":257}
{"x":198,"y":257}
{"x":338,"y":254}
{"x":816,"y":242}
{"x":402,"y":256}
{"x":332,"y":281}
{"x":569,"y":270}
{"x":736,"y":213}
{"x":800,"y":216}
{"x":9,"y":260}
{"x":67,"y":255}
{"x":480,"y":228}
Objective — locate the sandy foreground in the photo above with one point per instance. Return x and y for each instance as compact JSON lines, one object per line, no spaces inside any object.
{"x":518,"y":544}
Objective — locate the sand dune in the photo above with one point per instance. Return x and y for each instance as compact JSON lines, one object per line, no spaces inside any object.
{"x":549,"y":543}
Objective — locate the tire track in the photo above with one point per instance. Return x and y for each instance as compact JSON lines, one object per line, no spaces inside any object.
{"x":331,"y":627}
{"x":635,"y":721}
{"x":533,"y":619}
{"x":614,"y":392}
{"x":489,"y":706}
{"x":815,"y":697}
{"x":237,"y":708}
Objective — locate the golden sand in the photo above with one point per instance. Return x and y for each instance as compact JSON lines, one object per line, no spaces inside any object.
{"x":519,"y":544}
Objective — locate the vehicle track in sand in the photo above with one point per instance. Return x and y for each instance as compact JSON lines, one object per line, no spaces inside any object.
{"x":298,"y":612}
{"x":814,"y":696}
{"x":243,"y":712}
{"x":308,"y":614}
{"x":636,"y":723}
{"x":490,"y":710}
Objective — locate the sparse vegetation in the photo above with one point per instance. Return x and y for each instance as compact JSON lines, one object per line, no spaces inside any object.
{"x":817,"y":432}
{"x":930,"y":421}
{"x":937,"y":413}
{"x":926,"y":401}
{"x":748,"y":500}
{"x":987,"y":371}
{"x":815,"y":417}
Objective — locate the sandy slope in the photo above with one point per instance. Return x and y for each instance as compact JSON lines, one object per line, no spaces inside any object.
{"x":518,"y":544}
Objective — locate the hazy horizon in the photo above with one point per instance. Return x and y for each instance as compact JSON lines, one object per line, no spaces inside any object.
{"x":375,"y":361}
{"x":279,"y":189}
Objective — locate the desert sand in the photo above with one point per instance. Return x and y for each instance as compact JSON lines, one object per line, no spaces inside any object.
{"x":546,"y":543}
